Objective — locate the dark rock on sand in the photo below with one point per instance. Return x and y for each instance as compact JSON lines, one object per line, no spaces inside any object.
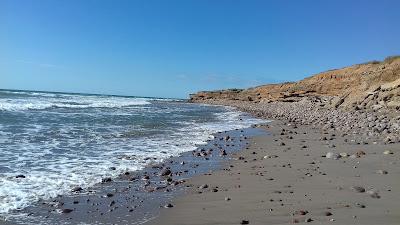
{"x":169,"y":205}
{"x":165,"y":172}
{"x":382,"y":172}
{"x":65,"y":211}
{"x":308,"y":220}
{"x":106,"y":180}
{"x":109,"y":195}
{"x":204,"y":186}
{"x":373,"y":194}
{"x":358,"y":189}
{"x":359,"y":205}
{"x":301,"y":212}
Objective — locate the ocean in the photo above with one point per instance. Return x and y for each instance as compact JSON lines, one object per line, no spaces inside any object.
{"x":52,"y":142}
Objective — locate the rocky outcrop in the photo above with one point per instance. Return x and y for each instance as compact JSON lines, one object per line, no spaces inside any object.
{"x":369,"y":86}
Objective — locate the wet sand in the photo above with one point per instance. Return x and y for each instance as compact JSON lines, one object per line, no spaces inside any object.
{"x":298,"y":174}
{"x":135,"y":197}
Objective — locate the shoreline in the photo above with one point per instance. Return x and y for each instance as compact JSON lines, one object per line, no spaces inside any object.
{"x":136,"y":197}
{"x":302,"y":173}
{"x":289,"y":177}
{"x":281,"y":178}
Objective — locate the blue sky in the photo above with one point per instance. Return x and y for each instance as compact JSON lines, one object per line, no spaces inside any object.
{"x":172,"y":48}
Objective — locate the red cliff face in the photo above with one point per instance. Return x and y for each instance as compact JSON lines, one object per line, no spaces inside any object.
{"x":364,"y":86}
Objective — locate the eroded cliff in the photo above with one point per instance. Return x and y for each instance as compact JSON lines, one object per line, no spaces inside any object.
{"x":372,"y":85}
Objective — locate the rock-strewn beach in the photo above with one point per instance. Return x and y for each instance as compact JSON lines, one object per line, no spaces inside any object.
{"x":297,"y":174}
{"x":331,"y":157}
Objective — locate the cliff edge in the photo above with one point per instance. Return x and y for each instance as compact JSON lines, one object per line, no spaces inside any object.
{"x":373,"y":85}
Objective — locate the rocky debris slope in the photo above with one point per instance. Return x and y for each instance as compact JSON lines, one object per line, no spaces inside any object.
{"x":369,"y":126}
{"x":368,"y":86}
{"x":362,"y":99}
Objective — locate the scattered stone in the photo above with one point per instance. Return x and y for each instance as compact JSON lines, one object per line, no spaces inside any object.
{"x":165,"y":172}
{"x":77,"y":189}
{"x":65,"y":211}
{"x":270,"y":156}
{"x":387,"y":152}
{"x":382,"y":172}
{"x":360,"y":153}
{"x":245,"y":222}
{"x":359,"y":205}
{"x":358,"y":189}
{"x":328,"y":214}
{"x":106,"y":180}
{"x":20,"y":176}
{"x":204,"y":186}
{"x":373,"y":194}
{"x":109,"y":195}
{"x":301,"y":212}
{"x":169,"y":205}
{"x":331,"y":155}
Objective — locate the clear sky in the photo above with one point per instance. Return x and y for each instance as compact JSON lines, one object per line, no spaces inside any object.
{"x":172,"y":48}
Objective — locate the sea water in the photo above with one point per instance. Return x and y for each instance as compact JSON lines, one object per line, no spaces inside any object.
{"x":58,"y":141}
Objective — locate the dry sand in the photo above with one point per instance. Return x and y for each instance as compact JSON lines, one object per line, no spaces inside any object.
{"x":285,"y":178}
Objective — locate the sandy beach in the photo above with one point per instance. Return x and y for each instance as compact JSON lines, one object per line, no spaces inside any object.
{"x":199,"y":112}
{"x":297,"y":174}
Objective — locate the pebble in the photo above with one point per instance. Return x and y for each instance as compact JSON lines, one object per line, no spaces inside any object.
{"x":360,"y":153}
{"x":204,"y":186}
{"x":245,"y":222}
{"x":169,"y":205}
{"x":165,"y":172}
{"x":331,"y":155}
{"x":77,"y":189}
{"x":387,"y":152}
{"x":270,"y":156}
{"x":301,"y":212}
{"x":106,"y":180}
{"x":67,"y":211}
{"x":308,"y":220}
{"x":373,"y":194}
{"x":382,"y":172}
{"x":109,"y":195}
{"x":358,"y":189}
{"x":359,"y":205}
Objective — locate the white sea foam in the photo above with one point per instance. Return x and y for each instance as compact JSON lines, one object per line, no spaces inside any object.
{"x":78,"y":102}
